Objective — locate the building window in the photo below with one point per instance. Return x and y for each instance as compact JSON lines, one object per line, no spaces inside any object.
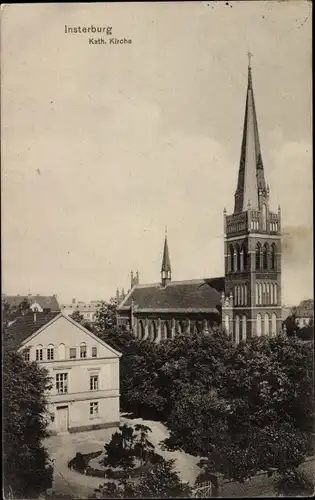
{"x":83,"y":351}
{"x":50,"y":353}
{"x":231,"y":258}
{"x":62,"y":383}
{"x":39,"y":353}
{"x":265,"y":256}
{"x":257,"y":256}
{"x":73,"y":352}
{"x":238,"y":258}
{"x":26,"y":354}
{"x":94,"y":352}
{"x":93,"y":383}
{"x":275,"y":291}
{"x":245,"y":257}
{"x":94,"y":409}
{"x":273,"y":256}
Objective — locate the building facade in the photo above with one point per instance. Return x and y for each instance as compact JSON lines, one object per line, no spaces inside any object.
{"x":247,"y":300}
{"x":84,"y":370}
{"x":87,"y":309}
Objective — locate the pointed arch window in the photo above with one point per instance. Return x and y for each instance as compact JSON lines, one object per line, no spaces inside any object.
{"x":257,"y":294}
{"x":268,"y":294}
{"x":245,"y":294}
{"x":141,"y":330}
{"x":271,"y":294}
{"x":231,"y":258}
{"x":152,"y":331}
{"x":273,"y":257}
{"x":263,"y":294}
{"x":265,"y":256}
{"x":275,"y":294}
{"x":238,"y":258}
{"x":245,"y":256}
{"x":260,"y":294}
{"x":257,"y":256}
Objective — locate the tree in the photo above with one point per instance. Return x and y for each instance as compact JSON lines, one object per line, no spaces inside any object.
{"x":10,"y":313}
{"x":161,"y":481}
{"x":128,"y":444}
{"x":26,"y":467}
{"x":260,"y":403}
{"x":106,"y":315}
{"x":292,"y":327}
{"x":79,"y":318}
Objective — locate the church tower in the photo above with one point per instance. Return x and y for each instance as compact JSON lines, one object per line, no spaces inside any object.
{"x":251,"y":303}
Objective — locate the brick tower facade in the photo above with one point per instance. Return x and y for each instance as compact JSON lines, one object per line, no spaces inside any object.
{"x":251,"y":301}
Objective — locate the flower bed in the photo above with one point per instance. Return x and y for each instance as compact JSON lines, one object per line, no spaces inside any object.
{"x":80,"y":463}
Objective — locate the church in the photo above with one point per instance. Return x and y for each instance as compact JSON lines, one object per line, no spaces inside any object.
{"x":246,"y":301}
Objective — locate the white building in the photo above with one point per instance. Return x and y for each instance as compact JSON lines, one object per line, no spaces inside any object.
{"x":84,"y":370}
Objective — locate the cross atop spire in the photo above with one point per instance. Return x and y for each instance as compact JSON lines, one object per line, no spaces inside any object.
{"x":250,"y":55}
{"x":251,"y":177}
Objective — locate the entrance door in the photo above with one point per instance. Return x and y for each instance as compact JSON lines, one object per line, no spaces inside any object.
{"x":62,"y":419}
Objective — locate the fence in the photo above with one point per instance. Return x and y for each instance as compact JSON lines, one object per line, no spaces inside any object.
{"x":203,"y":490}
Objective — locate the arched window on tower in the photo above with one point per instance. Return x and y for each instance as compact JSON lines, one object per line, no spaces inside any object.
{"x":245,"y":256}
{"x":271,"y":294}
{"x":257,"y":294}
{"x":257,"y":256}
{"x":245,"y":294}
{"x":238,"y":258}
{"x":263,"y":301}
{"x":268,"y":294}
{"x":273,"y":257}
{"x":231,"y":258}
{"x":265,"y":256}
{"x":275,"y":293}
{"x":264,"y":217}
{"x":260,"y":294}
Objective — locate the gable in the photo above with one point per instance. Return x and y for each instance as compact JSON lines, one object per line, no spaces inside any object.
{"x":63,"y":330}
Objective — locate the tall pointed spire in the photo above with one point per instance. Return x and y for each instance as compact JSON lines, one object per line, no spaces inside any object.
{"x":251,"y":178}
{"x":166,"y":270}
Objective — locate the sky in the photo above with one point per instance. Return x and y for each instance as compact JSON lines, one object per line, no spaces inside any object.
{"x":103,"y":145}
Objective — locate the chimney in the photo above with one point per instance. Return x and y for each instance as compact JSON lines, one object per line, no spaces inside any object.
{"x":35,"y":316}
{"x":137,"y":278}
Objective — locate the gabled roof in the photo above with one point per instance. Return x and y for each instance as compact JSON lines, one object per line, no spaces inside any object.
{"x":25,"y":328}
{"x":202,"y":294}
{"x":45,"y":302}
